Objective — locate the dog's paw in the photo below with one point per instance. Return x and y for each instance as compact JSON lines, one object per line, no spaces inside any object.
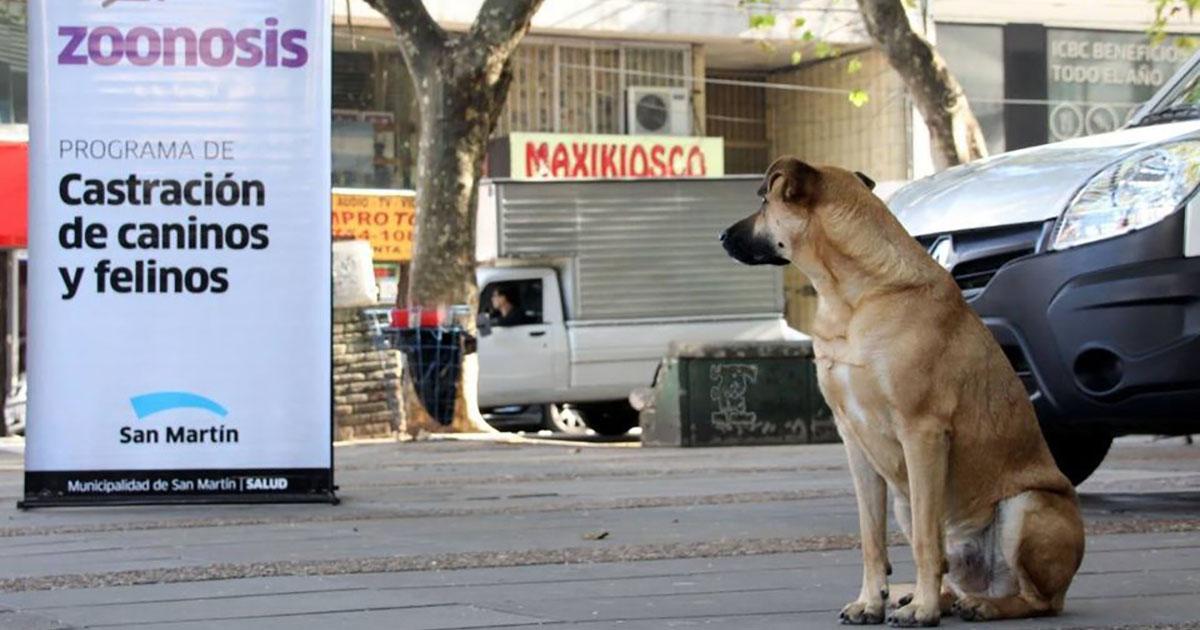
{"x":859,"y":613}
{"x":970,"y":608}
{"x":914,"y":615}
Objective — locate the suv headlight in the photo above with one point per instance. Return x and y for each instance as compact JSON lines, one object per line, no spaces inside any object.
{"x":1140,"y":190}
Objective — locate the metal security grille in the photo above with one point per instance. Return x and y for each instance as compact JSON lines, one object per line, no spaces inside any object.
{"x":738,"y":113}
{"x":13,"y":43}
{"x":579,"y":87}
{"x":640,"y":248}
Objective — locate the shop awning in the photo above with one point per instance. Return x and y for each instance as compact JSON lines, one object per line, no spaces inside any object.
{"x":14,"y":194}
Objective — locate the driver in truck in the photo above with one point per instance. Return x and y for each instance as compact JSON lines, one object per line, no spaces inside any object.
{"x":506,"y":310}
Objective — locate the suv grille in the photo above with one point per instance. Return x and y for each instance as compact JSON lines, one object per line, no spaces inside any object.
{"x":974,"y":257}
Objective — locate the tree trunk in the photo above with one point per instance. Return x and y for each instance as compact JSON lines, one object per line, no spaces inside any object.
{"x":462,"y":82}
{"x":954,"y":133}
{"x":458,"y":112}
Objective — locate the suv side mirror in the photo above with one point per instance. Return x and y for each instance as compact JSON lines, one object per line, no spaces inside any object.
{"x":483,"y":323}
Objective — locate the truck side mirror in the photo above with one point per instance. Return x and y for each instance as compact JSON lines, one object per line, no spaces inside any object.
{"x":483,"y":323}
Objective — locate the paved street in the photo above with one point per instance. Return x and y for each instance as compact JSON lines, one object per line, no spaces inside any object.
{"x":472,"y":534}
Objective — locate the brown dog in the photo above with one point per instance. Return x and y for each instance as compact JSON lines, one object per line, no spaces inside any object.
{"x":926,"y":404}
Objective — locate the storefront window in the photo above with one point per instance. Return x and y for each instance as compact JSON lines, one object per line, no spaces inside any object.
{"x":14,"y":104}
{"x":374,"y":117}
{"x":975,"y":55}
{"x":1097,"y":79}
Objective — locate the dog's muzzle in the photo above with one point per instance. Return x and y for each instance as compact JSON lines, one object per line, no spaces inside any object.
{"x":748,"y":248}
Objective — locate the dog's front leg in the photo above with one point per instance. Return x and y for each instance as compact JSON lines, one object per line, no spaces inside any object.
{"x":871,"y":492}
{"x":926,"y":457}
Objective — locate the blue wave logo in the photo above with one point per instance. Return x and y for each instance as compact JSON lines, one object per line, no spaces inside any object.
{"x":150,"y":404}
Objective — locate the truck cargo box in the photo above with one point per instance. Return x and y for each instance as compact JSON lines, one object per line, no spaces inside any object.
{"x":629,"y":249}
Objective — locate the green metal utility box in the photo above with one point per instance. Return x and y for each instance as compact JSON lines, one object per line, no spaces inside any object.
{"x":737,"y":394}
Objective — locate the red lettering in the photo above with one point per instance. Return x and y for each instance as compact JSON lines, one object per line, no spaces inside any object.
{"x":695,"y":162}
{"x":608,"y":165}
{"x":579,"y":152}
{"x":537,"y":158}
{"x":658,"y":166}
{"x":584,"y":160}
{"x":637,"y":169}
{"x":675,"y":157}
{"x":560,"y":162}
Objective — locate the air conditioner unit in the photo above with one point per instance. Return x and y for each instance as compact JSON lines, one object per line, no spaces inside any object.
{"x":658,"y":110}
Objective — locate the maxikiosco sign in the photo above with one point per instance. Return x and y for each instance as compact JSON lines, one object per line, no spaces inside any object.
{"x":179,"y":338}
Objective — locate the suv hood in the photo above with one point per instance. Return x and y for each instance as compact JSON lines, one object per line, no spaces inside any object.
{"x":1024,"y":186}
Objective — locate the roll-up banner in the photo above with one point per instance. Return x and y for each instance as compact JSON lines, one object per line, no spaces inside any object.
{"x":179,"y":338}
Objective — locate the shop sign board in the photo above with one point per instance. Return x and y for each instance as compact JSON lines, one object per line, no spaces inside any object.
{"x":180,"y":315}
{"x":386,"y":218}
{"x":532,"y":156}
{"x":1097,"y":79}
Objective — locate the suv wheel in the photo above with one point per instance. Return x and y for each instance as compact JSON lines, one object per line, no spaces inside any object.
{"x":1077,"y":453}
{"x":609,"y":418}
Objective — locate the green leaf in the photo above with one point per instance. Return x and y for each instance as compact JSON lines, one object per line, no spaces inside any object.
{"x":858,"y":98}
{"x":762,"y":20}
{"x":797,"y":57}
{"x":799,"y":22}
{"x":807,"y":36}
{"x":824,"y":50}
{"x":854,"y":65}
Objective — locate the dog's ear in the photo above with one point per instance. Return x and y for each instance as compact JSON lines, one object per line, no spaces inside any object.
{"x":870,"y":183}
{"x":798,"y":180}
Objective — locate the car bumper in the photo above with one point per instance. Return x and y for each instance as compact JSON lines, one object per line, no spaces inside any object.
{"x":1105,"y":333}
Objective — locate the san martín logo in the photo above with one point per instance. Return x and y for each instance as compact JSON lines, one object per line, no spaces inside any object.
{"x":148,"y":405}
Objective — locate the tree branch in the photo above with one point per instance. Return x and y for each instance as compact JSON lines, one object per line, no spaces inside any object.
{"x":420,"y":36}
{"x":500,"y":26}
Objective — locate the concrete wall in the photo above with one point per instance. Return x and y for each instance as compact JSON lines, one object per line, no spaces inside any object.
{"x":1117,"y":15}
{"x":721,"y":25}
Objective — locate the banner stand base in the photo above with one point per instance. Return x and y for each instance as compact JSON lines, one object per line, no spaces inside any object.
{"x":330,"y":498}
{"x":95,"y":488}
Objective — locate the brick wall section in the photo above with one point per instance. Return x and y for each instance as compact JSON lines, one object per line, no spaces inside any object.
{"x":826,"y":128}
{"x":365,"y":380}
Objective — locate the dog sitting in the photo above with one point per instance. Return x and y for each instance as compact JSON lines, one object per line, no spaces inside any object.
{"x":927,"y":405}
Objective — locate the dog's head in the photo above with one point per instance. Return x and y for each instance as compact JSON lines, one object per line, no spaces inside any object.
{"x":793,"y":193}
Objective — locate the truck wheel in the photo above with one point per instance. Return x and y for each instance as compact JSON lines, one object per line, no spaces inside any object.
{"x":565,"y":419}
{"x":1077,"y":453}
{"x":609,"y":418}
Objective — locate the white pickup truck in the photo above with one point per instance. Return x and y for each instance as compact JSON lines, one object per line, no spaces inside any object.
{"x":585,"y":283}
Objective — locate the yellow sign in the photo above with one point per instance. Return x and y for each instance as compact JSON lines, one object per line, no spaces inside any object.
{"x":387,"y":218}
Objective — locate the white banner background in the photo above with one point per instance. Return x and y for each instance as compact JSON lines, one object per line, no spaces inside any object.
{"x":262,"y":348}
